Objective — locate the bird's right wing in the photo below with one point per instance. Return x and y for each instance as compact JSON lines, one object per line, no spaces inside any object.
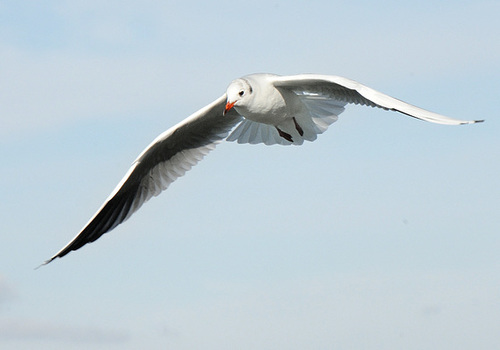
{"x":168,"y":157}
{"x":350,"y":91}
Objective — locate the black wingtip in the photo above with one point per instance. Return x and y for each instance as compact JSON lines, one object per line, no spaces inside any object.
{"x":467,"y":122}
{"x":46,"y":262}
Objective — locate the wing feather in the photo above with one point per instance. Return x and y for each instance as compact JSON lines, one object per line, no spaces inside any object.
{"x":168,"y":157}
{"x":350,"y":91}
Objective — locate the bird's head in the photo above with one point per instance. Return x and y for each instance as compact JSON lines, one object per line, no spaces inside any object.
{"x":237,"y":93}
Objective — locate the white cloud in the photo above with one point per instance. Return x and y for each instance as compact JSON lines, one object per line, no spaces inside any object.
{"x":27,"y":330}
{"x":35,"y":330}
{"x":7,"y":291}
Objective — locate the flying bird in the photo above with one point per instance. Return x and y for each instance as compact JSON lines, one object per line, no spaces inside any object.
{"x":258,"y":108}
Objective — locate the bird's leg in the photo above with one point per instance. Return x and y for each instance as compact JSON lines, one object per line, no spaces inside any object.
{"x":298,"y":127}
{"x":285,"y":135}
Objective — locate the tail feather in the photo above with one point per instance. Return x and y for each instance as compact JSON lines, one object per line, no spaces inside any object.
{"x":317,"y":114}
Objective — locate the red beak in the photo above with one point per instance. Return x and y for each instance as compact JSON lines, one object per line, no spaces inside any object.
{"x":229,"y":105}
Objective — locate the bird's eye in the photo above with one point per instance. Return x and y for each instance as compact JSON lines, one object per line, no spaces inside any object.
{"x":241,"y":93}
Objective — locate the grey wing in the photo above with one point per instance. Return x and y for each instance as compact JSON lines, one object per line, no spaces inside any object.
{"x":350,"y":91}
{"x":168,"y":157}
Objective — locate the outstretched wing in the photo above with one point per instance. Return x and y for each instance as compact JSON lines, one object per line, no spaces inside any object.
{"x":168,"y":157}
{"x":349,"y":91}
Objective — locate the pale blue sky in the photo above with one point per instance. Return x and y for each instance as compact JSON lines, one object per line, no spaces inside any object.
{"x":381,"y":234}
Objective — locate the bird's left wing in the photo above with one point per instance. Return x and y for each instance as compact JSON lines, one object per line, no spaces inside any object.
{"x":350,"y":91}
{"x":168,"y":157}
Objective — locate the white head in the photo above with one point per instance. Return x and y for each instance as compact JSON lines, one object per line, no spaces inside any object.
{"x":237,"y":93}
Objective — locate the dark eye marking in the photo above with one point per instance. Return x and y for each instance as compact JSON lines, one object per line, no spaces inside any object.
{"x":241,"y":93}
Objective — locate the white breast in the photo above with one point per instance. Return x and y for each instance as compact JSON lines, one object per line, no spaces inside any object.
{"x":266,"y":104}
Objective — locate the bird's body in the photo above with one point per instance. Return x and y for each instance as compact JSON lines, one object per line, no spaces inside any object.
{"x":266,"y":104}
{"x":271,"y":106}
{"x":258,"y":108}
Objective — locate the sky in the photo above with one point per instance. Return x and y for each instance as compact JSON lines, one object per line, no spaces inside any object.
{"x":381,"y":234}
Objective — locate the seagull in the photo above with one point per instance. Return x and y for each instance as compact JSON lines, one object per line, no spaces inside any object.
{"x":257,"y":108}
